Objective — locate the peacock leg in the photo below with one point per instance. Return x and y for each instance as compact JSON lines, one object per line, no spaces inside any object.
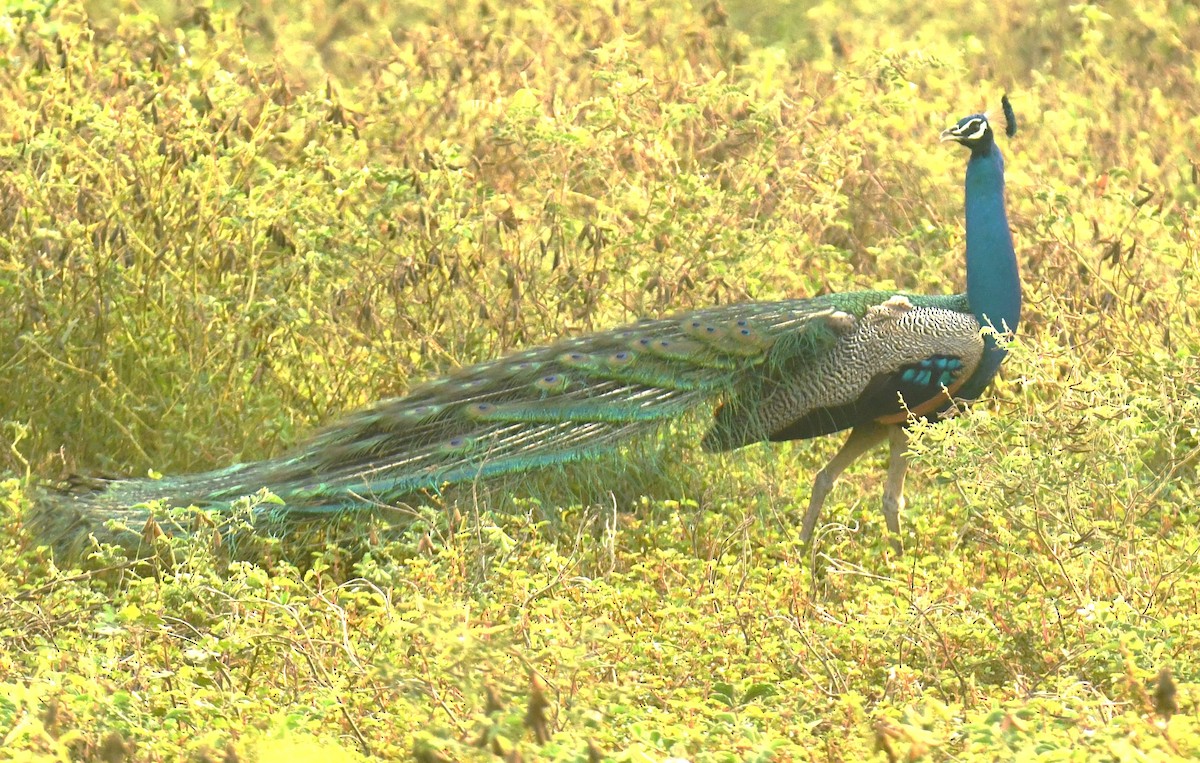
{"x":893,"y":491}
{"x":862,"y":438}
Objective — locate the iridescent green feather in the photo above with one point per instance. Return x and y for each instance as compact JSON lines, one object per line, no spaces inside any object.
{"x":535,"y":409}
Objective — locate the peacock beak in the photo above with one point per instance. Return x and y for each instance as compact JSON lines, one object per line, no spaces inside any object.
{"x":949,"y":134}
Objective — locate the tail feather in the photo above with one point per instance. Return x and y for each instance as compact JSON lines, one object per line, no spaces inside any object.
{"x":542,"y":407}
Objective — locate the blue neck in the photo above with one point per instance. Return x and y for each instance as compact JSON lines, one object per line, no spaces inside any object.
{"x":993,"y":285}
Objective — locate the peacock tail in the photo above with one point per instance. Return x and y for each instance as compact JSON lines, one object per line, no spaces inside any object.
{"x":760,"y":364}
{"x":764,"y":371}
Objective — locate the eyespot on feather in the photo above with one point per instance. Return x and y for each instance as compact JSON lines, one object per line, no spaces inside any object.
{"x":744,"y":340}
{"x":480,"y":410}
{"x":701,"y":330}
{"x":576,"y":360}
{"x":552,"y":383}
{"x":671,"y":349}
{"x":457,"y":446}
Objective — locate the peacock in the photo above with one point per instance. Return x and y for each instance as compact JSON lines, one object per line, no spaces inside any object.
{"x":869,"y":361}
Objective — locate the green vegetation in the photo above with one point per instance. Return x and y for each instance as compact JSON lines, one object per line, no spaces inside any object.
{"x":221,"y":226}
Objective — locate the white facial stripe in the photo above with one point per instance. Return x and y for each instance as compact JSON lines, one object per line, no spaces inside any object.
{"x":977,"y":126}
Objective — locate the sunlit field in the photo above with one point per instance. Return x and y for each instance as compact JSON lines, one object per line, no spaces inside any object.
{"x":225,"y":225}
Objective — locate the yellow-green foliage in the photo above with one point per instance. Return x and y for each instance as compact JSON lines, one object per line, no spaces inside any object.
{"x":221,"y":225}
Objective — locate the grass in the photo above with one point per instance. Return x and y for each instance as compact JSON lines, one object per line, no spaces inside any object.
{"x":225,"y":225}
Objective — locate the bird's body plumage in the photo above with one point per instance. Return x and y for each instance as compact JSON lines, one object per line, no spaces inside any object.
{"x":769,"y":371}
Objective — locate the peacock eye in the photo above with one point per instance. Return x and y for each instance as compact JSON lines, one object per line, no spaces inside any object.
{"x":975,"y":129}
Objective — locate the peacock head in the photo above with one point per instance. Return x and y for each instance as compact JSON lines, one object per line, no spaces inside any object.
{"x":975,"y":131}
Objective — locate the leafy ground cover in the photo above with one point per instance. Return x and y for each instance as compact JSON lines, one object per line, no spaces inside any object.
{"x":222,"y":225}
